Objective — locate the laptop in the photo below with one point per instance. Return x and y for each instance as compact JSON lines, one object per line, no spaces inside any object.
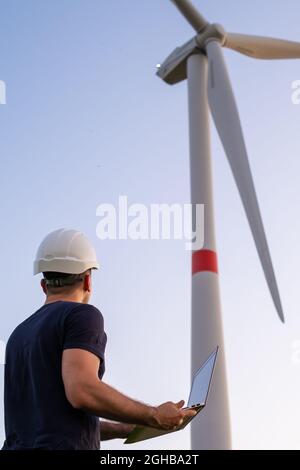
{"x":197,"y":401}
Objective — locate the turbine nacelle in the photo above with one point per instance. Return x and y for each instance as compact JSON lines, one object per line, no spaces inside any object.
{"x":173,"y":70}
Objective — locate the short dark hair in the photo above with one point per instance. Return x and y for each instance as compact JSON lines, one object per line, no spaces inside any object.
{"x":54,"y":279}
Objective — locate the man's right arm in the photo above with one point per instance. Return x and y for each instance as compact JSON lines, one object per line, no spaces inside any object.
{"x":85,"y":391}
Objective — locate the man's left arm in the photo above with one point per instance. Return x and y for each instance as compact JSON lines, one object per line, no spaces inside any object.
{"x":110,"y":430}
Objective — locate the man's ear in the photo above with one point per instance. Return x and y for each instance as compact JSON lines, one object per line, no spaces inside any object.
{"x":87,"y":282}
{"x":44,"y":286}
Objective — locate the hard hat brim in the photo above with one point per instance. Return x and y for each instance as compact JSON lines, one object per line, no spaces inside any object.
{"x":63,"y":266}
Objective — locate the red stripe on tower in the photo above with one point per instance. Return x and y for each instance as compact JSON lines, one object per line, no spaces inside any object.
{"x":204,"y":261}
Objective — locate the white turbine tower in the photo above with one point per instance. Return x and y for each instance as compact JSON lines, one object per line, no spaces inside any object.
{"x":201,"y":61}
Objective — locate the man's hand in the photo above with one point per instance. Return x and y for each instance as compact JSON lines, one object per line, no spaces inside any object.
{"x":125,"y":430}
{"x":170,"y":416}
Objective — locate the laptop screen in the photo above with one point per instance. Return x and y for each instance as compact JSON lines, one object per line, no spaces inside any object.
{"x":201,"y":381}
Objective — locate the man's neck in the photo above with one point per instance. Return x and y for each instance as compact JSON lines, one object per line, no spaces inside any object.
{"x":74,"y":297}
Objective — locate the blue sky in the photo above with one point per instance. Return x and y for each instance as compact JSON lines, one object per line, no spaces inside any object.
{"x":87,"y":120}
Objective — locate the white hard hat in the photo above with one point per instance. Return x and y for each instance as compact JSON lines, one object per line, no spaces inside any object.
{"x":65,"y":251}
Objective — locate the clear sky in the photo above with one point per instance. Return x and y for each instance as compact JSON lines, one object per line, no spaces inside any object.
{"x":87,"y":120}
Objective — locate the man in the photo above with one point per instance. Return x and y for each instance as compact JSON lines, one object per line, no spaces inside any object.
{"x":54,"y":393}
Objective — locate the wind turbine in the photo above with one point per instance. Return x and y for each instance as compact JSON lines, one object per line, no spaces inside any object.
{"x":201,"y":61}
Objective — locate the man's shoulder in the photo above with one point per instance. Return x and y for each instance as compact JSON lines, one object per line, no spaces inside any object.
{"x":82,"y":311}
{"x":57,"y":312}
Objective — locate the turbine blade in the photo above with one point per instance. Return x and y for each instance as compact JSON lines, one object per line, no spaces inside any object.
{"x":196,"y":20}
{"x":263,"y":48}
{"x":226,"y":117}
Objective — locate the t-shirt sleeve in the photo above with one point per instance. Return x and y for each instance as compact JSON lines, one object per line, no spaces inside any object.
{"x":84,"y":329}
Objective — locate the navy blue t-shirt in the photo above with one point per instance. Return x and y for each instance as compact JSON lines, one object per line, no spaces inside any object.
{"x":37,"y":412}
